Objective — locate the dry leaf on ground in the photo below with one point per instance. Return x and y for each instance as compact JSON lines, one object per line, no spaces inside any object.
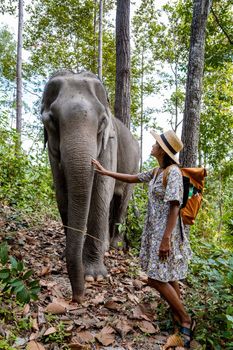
{"x":112,"y":305}
{"x":138,"y":313}
{"x":50,"y":330}
{"x":45,"y":271}
{"x":106,"y":336}
{"x":55,"y":309}
{"x":123,"y":327}
{"x":66,"y":304}
{"x":138,"y":284}
{"x":133,"y":298}
{"x":146,"y":327}
{"x":26,"y":309}
{"x":77,"y":346}
{"x":99,"y":299}
{"x":35,"y":326}
{"x":85,"y":337}
{"x":34,"y":345}
{"x":173,"y":340}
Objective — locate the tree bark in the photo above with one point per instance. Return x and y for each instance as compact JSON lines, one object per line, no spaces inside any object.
{"x":142,"y":108}
{"x":19,"y":89}
{"x":100,"y":54}
{"x":122,"y":96}
{"x":191,"y":121}
{"x":95,"y":63}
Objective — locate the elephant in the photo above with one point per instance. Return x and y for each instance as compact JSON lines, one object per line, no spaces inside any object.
{"x":79,"y":126}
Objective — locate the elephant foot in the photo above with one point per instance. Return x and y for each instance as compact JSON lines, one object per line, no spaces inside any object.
{"x":89,"y":278}
{"x":95,"y":272}
{"x":117,"y":242}
{"x":77,"y":298}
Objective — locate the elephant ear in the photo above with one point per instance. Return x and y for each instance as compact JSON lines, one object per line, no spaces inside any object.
{"x":102,"y":96}
{"x":109,"y":131}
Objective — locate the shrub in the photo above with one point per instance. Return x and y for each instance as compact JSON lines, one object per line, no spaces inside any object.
{"x":15,"y":278}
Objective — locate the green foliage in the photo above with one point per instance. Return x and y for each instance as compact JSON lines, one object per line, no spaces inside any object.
{"x":216,"y":142}
{"x":25,"y":180}
{"x":211,"y":297}
{"x":214,"y":220}
{"x":4,"y":345}
{"x":65,"y":35}
{"x":7,"y":6}
{"x":59,"y":336}
{"x":16,"y":279}
{"x":133,"y":226}
{"x":7,"y":54}
{"x":219,"y":37}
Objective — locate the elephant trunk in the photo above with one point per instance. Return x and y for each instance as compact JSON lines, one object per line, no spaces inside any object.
{"x":76,"y":160}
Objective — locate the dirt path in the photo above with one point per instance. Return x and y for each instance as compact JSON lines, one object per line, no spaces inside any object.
{"x":121,"y":312}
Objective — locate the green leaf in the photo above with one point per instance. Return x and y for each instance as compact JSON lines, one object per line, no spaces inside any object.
{"x":27,"y":274}
{"x":20,"y":266}
{"x":4,"y":253}
{"x":229,"y":318}
{"x":33,"y":284}
{"x":16,"y":282}
{"x":23,"y":296}
{"x":14,"y":262}
{"x":5,"y":289}
{"x":19,"y":288}
{"x":35,"y":290}
{"x":4,"y":274}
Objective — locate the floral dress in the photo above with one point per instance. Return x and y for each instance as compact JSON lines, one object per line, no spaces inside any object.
{"x":176,"y":265}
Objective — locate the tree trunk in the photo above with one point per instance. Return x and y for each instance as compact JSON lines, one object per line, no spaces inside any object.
{"x":95,"y":44}
{"x":191,"y":122}
{"x":19,"y":92}
{"x":100,"y":39}
{"x":122,"y":97}
{"x":142,"y":109}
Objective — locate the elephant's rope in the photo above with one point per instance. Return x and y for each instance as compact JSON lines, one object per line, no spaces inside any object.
{"x":83,"y":232}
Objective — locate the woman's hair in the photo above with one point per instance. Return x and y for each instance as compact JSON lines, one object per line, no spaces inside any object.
{"x":167,"y":161}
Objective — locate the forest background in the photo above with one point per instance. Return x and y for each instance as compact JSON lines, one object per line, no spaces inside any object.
{"x":59,"y":35}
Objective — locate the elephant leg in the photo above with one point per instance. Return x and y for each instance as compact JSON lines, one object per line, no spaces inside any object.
{"x":98,"y":228}
{"x":118,"y":211}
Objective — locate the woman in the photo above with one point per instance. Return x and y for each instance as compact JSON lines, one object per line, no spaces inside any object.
{"x":164,"y":251}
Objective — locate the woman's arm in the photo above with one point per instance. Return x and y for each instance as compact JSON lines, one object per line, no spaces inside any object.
{"x":118,"y":176}
{"x":165,"y":246}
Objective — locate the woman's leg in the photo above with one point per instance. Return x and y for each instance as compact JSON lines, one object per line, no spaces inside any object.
{"x":170,"y":294}
{"x":175,"y":285}
{"x":175,"y":316}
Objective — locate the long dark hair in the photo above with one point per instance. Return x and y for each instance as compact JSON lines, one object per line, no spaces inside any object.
{"x":167,"y":161}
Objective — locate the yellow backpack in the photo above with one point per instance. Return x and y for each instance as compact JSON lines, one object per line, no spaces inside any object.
{"x":193,"y":182}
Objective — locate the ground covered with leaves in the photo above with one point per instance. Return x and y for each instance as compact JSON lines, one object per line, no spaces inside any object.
{"x":120,"y":312}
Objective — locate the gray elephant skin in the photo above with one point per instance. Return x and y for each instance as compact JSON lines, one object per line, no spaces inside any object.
{"x":78,"y":127}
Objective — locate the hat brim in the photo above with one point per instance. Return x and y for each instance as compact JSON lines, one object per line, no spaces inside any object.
{"x":164,"y":147}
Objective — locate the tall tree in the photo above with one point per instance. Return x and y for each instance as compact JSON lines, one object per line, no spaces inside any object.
{"x":100,"y":46}
{"x":122,"y":95}
{"x":19,"y":87}
{"x":191,"y":121}
{"x":63,"y":34}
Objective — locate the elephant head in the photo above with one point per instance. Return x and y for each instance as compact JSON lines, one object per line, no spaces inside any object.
{"x":78,"y":125}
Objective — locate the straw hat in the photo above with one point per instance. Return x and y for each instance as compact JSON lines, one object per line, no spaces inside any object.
{"x":169,"y":142}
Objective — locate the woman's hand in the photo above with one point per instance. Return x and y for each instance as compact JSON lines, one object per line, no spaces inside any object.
{"x":165,"y":248}
{"x":98,"y":167}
